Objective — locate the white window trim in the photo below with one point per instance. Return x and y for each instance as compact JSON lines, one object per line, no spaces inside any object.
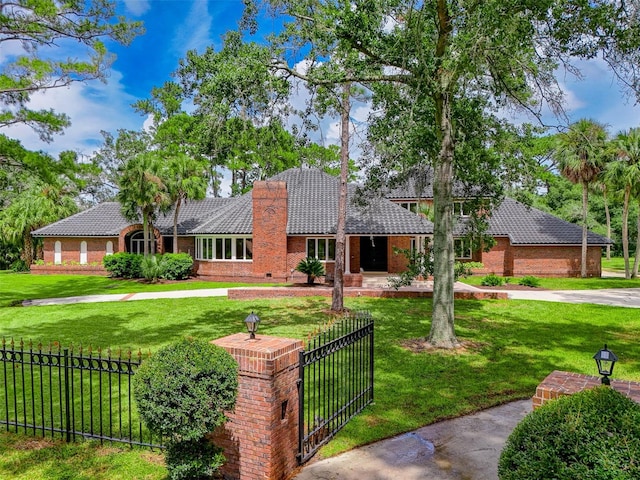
{"x":326,"y":249}
{"x":57,"y":252}
{"x":466,"y":247}
{"x":83,"y":252}
{"x":211,"y":239}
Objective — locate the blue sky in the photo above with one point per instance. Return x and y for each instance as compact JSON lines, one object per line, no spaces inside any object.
{"x":175,"y":26}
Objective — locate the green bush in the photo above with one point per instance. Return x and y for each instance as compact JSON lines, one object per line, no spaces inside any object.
{"x":529,"y":281}
{"x":592,"y":435}
{"x":123,"y":265}
{"x":152,"y":267}
{"x":177,"y":266}
{"x":182,"y":392}
{"x":492,"y":280}
{"x":312,"y":268}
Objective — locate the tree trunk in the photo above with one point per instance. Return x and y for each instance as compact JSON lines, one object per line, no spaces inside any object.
{"x":634,"y":273}
{"x":27,"y":248}
{"x":145,"y":233}
{"x":442,"y":332}
{"x":175,"y":224}
{"x":337,"y":301}
{"x":625,"y":232}
{"x":585,"y":203}
{"x":608,"y":217}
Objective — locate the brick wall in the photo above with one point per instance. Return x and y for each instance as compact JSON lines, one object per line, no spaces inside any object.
{"x":397,"y":263}
{"x":544,"y":261}
{"x":261,"y":437}
{"x":70,"y":248}
{"x":354,"y":251}
{"x":560,"y":383}
{"x":226,"y":271}
{"x":270,"y":213}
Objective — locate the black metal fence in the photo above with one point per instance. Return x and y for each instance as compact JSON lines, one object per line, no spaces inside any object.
{"x":336,"y":380}
{"x":58,"y":392}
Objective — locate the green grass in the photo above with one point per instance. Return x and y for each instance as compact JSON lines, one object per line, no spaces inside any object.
{"x":568,"y":283}
{"x":16,"y":287}
{"x":616,"y":264}
{"x":29,"y":458}
{"x":511,"y":347}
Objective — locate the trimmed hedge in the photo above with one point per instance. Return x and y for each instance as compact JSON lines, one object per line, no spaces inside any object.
{"x":182,"y":392}
{"x":176,"y":266}
{"x":591,"y":435}
{"x":123,"y":265}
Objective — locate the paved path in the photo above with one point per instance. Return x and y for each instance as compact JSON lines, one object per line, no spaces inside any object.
{"x":465,"y":448}
{"x":618,"y":297}
{"x":122,"y":297}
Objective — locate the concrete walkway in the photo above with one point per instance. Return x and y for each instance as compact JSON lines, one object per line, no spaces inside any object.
{"x":125,"y":297}
{"x":465,"y":448}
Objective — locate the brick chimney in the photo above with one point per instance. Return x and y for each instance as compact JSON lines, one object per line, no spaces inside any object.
{"x":270,"y":213}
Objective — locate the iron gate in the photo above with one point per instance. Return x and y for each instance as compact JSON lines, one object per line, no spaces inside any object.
{"x":336,"y":380}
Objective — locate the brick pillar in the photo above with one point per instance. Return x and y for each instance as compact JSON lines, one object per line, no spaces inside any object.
{"x":270,"y":211}
{"x":260,"y":440}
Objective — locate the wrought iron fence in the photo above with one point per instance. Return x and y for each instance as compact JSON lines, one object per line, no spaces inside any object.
{"x":336,"y":380}
{"x":71,"y":394}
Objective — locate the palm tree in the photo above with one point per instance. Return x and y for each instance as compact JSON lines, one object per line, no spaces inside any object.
{"x":35,"y":207}
{"x":580,"y":158}
{"x":624,"y":175}
{"x":186,"y":180}
{"x":142,"y":192}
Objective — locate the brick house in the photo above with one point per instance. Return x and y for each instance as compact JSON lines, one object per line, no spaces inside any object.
{"x":262,"y":235}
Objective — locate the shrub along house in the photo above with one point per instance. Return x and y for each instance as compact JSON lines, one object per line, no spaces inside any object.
{"x":262,"y":235}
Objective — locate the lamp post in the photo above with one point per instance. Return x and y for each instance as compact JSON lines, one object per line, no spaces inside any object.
{"x":605,"y":359}
{"x":252,"y":322}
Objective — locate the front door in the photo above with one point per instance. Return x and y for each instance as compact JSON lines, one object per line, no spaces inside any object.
{"x":373,"y":254}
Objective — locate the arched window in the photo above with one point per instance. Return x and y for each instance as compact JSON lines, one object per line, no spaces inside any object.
{"x":109,"y":248}
{"x":136,"y":242}
{"x":57,"y":252}
{"x":83,"y":252}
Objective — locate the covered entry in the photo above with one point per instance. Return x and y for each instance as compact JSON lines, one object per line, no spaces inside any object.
{"x":373,"y":254}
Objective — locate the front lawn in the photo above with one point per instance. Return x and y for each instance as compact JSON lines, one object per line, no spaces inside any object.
{"x":16,"y":287}
{"x":567,"y":283}
{"x":511,"y":346}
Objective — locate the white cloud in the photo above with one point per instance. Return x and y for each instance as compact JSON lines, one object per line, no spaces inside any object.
{"x":137,"y":7}
{"x":91,"y":107}
{"x":195,"y":32}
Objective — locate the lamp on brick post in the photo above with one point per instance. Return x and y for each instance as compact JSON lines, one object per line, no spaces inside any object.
{"x":252,"y":322}
{"x":605,"y":359}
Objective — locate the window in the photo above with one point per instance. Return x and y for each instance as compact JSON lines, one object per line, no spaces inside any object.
{"x":321,"y":248}
{"x":411,"y":206}
{"x":57,"y":253}
{"x":109,"y":249}
{"x":83,"y":252}
{"x":462,"y":248}
{"x":419,"y":244}
{"x":462,"y":209}
{"x":224,"y":248}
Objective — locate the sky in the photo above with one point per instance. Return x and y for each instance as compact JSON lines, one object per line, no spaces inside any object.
{"x":175,"y":26}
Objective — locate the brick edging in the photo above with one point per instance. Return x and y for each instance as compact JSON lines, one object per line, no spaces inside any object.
{"x":559,"y":383}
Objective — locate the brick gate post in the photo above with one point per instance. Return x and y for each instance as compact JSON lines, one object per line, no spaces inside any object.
{"x":260,"y":440}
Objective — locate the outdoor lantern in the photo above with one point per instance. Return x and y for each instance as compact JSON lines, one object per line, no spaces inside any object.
{"x":605,"y":359}
{"x":252,"y":322}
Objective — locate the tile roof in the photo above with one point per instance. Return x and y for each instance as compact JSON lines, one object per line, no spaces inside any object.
{"x":106,"y":220}
{"x":313,"y":204}
{"x":526,"y":225}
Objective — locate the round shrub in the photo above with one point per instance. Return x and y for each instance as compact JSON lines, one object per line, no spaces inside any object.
{"x":492,"y":280}
{"x":182,"y":393}
{"x":184,"y":389}
{"x":177,"y":266}
{"x":123,"y":265}
{"x":592,"y":435}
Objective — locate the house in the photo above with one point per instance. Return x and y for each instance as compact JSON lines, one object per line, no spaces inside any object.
{"x":262,"y":235}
